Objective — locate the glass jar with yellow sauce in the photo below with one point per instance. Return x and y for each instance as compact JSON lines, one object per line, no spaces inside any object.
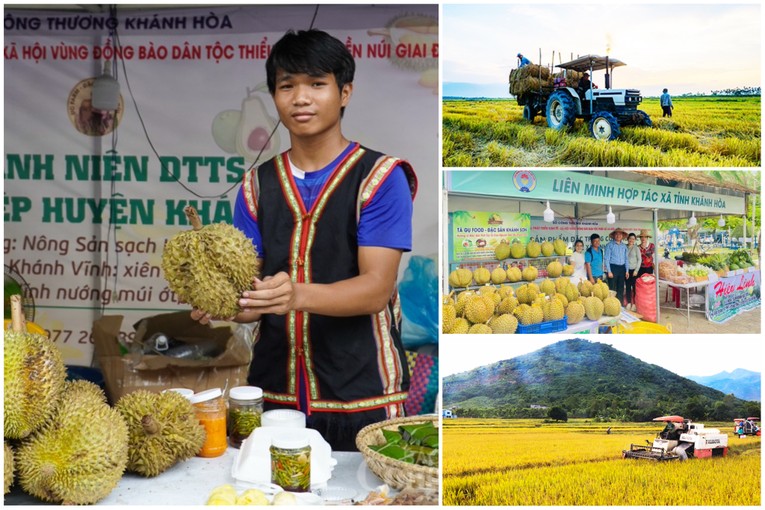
{"x":210,"y":409}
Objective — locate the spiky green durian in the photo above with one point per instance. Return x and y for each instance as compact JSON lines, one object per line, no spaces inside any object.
{"x":162,"y":430}
{"x":210,"y":266}
{"x":79,"y":456}
{"x":8,"y":463}
{"x":34,"y":379}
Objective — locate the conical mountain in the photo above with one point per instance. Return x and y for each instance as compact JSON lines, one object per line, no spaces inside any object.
{"x":587,"y":379}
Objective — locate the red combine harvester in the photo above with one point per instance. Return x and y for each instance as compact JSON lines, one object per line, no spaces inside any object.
{"x":680,"y":440}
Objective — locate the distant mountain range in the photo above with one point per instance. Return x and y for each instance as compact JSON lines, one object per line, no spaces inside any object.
{"x":586,"y":379}
{"x":742,"y":383}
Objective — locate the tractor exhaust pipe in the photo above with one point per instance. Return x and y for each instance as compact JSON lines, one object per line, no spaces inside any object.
{"x":608,"y":76}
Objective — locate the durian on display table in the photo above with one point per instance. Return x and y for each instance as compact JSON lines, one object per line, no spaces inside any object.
{"x":191,"y":482}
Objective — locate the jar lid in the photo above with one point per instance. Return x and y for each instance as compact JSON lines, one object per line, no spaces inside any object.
{"x":186,"y":392}
{"x":284,"y":418}
{"x":204,"y":396}
{"x":291,"y":440}
{"x":246,"y":393}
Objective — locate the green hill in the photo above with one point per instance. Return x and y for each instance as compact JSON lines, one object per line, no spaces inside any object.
{"x":588,"y":380}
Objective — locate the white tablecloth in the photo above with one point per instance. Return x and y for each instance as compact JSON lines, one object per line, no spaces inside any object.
{"x":190,"y":482}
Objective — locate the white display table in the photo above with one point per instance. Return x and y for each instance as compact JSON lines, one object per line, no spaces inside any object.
{"x":687,"y":287}
{"x":583,"y":327}
{"x":190,"y":482}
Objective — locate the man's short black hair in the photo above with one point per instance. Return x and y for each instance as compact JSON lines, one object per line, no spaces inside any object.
{"x":593,"y":237}
{"x":312,"y":52}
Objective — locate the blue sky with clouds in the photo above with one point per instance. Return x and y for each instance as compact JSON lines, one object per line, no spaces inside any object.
{"x":684,"y":47}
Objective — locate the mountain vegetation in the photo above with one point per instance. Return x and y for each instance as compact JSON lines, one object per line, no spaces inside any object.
{"x":586,"y":380}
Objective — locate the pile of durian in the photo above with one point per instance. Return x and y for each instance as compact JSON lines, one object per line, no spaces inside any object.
{"x":533,"y":249}
{"x":499,"y":310}
{"x":64,"y":443}
{"x":462,"y":277}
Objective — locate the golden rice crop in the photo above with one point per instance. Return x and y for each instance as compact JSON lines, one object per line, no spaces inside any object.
{"x":704,"y":132}
{"x":523,"y":462}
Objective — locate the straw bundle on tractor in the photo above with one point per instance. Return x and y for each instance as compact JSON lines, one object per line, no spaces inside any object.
{"x":530,"y":78}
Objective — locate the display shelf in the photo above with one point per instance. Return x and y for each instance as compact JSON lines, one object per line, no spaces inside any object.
{"x":492,"y":264}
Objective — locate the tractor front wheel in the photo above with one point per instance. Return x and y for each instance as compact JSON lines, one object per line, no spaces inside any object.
{"x":561,"y":110}
{"x":604,"y":126}
{"x":643,"y":119}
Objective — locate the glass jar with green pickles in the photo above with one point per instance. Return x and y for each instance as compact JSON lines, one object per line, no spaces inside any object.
{"x":291,"y":462}
{"x":245,"y":408}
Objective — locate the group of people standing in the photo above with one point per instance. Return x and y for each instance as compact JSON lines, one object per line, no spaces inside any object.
{"x":618,"y":264}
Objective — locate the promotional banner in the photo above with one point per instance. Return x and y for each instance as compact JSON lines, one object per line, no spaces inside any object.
{"x":590,"y":189}
{"x":571,"y":229}
{"x":475,"y":234}
{"x":731,"y":295}
{"x":91,"y":196}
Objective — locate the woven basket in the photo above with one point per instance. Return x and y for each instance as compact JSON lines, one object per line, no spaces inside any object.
{"x":395,"y":473}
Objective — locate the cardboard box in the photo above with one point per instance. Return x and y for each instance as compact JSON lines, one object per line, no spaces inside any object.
{"x":126,"y":372}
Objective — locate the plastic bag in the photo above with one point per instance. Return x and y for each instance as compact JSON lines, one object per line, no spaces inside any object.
{"x":419,"y":302}
{"x":645,"y":299}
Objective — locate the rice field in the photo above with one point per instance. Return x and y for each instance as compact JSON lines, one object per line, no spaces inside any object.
{"x":524,"y":462}
{"x":703,"y":132}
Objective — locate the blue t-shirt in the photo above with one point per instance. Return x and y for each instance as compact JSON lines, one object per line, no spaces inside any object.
{"x":595,"y":259}
{"x":385,"y":220}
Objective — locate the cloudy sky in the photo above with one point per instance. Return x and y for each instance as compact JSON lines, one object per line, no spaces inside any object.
{"x":682,"y":354}
{"x":691,"y":47}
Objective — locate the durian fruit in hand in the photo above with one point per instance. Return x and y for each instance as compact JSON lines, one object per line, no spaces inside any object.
{"x":34,"y":377}
{"x":210,"y":266}
{"x":8,"y":463}
{"x":162,"y":429}
{"x":79,"y":456}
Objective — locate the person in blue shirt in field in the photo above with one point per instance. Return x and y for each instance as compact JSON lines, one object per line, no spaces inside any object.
{"x":666,"y":104}
{"x":593,"y":259}
{"x":523,"y":61}
{"x":615,"y":261}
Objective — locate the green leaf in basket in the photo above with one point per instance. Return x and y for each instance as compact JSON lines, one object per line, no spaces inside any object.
{"x":394,"y":451}
{"x":425,"y":456}
{"x":391,"y":436}
{"x":420,"y":434}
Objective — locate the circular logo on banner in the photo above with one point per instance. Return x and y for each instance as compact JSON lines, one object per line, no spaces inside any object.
{"x":86,"y":119}
{"x":524,"y":181}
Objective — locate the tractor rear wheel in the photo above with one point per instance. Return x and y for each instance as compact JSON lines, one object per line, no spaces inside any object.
{"x":561,"y":110}
{"x":604,"y":126}
{"x":529,"y":113}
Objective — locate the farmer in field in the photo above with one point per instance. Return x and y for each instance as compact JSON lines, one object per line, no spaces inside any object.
{"x":666,"y":104}
{"x":523,"y":61}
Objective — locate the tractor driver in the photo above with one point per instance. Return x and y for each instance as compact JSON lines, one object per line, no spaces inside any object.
{"x":584,"y":85}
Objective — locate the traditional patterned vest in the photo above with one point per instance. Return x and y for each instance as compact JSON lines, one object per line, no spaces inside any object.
{"x":351,"y":364}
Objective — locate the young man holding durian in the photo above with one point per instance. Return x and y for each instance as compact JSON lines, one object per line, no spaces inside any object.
{"x":330,"y":220}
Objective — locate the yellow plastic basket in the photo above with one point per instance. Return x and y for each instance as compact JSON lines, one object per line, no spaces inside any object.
{"x":641,"y":328}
